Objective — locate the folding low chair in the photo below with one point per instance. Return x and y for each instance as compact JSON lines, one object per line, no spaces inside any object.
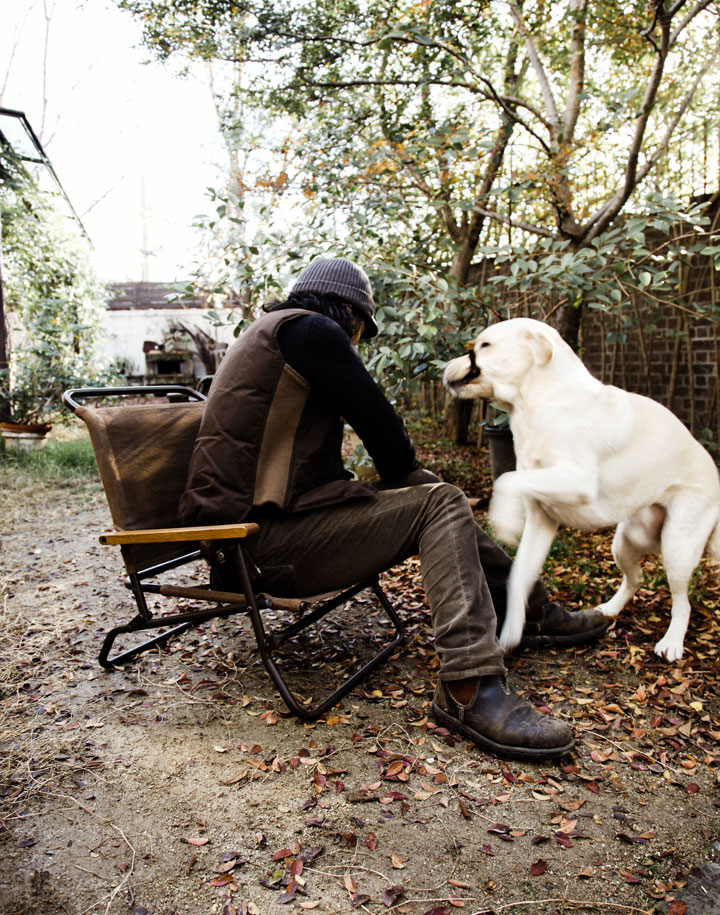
{"x":143,"y":453}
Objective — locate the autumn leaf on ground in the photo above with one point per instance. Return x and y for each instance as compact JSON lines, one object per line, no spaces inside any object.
{"x":392,"y":894}
{"x":350,"y":884}
{"x":538,"y":867}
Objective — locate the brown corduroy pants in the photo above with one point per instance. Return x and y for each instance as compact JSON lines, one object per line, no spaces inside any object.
{"x":464,"y":571}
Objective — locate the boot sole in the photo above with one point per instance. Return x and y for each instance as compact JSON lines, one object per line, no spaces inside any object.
{"x":563,"y":641}
{"x":499,"y":749}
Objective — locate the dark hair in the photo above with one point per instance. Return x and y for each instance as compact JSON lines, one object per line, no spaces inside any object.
{"x":322,"y":303}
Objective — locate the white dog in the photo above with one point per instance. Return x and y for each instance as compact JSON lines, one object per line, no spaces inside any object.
{"x":589,"y":456}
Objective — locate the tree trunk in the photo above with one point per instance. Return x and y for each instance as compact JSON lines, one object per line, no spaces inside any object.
{"x":457,"y":420}
{"x":567,"y":324}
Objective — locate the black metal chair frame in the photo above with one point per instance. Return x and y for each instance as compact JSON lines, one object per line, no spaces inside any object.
{"x":250,"y":601}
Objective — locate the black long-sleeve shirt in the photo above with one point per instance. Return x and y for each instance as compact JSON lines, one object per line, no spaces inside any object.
{"x":321,"y":351}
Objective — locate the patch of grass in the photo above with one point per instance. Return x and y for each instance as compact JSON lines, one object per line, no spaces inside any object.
{"x":65,"y":465}
{"x":59,"y":462}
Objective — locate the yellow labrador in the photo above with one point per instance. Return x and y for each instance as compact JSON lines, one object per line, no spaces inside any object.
{"x":589,"y":456}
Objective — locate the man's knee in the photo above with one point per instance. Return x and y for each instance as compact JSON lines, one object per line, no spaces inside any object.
{"x":448,"y":492}
{"x":419,"y":477}
{"x":447,"y":495}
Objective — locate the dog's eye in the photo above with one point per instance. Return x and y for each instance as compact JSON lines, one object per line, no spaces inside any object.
{"x":484,"y":345}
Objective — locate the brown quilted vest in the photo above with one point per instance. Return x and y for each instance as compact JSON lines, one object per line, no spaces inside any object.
{"x":265,"y":439}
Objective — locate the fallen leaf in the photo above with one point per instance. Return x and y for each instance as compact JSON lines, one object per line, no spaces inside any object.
{"x":392,"y":894}
{"x":308,"y":855}
{"x":288,"y":895}
{"x":397,"y":862}
{"x":394,"y":769}
{"x":538,"y":867}
{"x":223,"y":880}
{"x":350,"y":884}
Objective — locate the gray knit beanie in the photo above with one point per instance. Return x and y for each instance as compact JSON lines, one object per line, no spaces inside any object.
{"x":345,"y":279}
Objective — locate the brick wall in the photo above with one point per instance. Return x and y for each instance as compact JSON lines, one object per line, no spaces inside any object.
{"x":671,"y":357}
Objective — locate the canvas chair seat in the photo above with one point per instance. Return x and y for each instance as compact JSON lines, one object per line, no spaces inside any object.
{"x":143,"y":453}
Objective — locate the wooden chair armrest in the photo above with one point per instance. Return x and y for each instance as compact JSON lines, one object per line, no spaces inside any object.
{"x":177,"y":534}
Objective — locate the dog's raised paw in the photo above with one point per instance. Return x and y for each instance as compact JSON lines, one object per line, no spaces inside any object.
{"x":507,"y":516}
{"x":510,"y":634}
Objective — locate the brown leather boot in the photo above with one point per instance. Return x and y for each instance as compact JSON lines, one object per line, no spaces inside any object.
{"x":502,"y":723}
{"x":552,"y":626}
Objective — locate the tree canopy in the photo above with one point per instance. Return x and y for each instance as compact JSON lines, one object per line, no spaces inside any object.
{"x":442,"y":130}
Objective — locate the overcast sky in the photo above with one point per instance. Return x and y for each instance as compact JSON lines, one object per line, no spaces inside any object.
{"x":113,"y":125}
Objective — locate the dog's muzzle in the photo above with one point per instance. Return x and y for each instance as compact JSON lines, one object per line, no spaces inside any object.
{"x":472,"y":374}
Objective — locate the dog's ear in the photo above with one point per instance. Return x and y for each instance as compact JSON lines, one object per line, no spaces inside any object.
{"x":541,"y":346}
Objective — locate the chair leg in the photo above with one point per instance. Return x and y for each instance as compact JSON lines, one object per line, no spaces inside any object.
{"x":268,"y":642}
{"x":144,"y":620}
{"x":109,"y":663}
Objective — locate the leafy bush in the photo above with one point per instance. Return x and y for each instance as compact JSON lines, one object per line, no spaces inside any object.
{"x":55,"y":301}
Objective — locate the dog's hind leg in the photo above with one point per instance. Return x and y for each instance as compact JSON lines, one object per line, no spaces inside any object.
{"x":534,"y":545}
{"x":684,"y":536}
{"x":633,"y":539}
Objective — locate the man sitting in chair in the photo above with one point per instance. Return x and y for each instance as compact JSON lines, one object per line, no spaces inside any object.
{"x":269,"y":450}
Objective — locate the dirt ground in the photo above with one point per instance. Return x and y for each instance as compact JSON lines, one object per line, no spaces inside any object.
{"x":180,"y":785}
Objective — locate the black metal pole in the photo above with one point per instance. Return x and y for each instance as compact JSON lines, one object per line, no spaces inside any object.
{"x":4,"y":412}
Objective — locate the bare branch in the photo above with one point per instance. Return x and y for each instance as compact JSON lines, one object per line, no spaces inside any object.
{"x":509,"y":106}
{"x":16,"y":41}
{"x":698,"y":8}
{"x":506,"y":220}
{"x":537,"y":66}
{"x":578,"y":9}
{"x":48,"y":12}
{"x":684,"y":105}
{"x":605,"y":215}
{"x":676,"y":7}
{"x":608,"y":211}
{"x":91,"y":207}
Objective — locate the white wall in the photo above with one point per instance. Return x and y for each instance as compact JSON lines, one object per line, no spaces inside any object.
{"x":127,"y":330}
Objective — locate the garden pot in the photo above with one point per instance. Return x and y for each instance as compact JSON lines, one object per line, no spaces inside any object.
{"x":24,"y":436}
{"x":502,"y":451}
